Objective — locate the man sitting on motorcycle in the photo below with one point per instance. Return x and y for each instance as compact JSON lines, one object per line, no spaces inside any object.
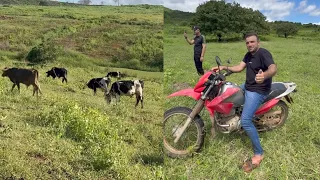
{"x":260,"y":68}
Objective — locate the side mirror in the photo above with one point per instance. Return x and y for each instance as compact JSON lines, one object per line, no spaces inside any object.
{"x":229,"y":61}
{"x":218,"y":60}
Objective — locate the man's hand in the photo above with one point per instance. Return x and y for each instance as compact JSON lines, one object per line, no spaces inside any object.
{"x":260,"y":77}
{"x":185,"y":35}
{"x":201,"y":58}
{"x":216,"y":68}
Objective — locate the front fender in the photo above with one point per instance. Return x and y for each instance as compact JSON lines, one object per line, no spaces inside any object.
{"x":186,"y":92}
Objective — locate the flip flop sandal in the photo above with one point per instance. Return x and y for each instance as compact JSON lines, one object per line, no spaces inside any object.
{"x":248,"y":166}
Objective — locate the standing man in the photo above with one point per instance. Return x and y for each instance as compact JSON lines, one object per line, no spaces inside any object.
{"x":199,"y":42}
{"x":259,"y":71}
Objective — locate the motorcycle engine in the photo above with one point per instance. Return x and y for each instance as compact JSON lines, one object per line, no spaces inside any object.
{"x":232,"y":119}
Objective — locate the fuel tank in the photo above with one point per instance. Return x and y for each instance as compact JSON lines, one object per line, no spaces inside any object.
{"x":238,"y":98}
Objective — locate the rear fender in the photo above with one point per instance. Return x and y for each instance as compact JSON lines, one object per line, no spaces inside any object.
{"x":267,"y":106}
{"x":186,"y":92}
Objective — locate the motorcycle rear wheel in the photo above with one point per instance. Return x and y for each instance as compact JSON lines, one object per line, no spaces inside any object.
{"x":192,"y":138}
{"x":277,"y":120}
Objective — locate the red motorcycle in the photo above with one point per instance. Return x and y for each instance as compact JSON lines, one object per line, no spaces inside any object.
{"x":183,"y":128}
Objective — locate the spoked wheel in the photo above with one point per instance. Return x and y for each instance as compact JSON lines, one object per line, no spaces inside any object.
{"x":276,"y":117}
{"x":191,"y":139}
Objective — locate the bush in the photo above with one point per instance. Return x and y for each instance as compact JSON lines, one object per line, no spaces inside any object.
{"x":45,"y":52}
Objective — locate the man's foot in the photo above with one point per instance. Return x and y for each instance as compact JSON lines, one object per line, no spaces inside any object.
{"x":252,"y":163}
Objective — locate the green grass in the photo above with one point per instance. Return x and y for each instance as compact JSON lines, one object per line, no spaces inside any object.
{"x":67,"y":132}
{"x":291,"y":152}
{"x":70,"y":132}
{"x":122,"y":36}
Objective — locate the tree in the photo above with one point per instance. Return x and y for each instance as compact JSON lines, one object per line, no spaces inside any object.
{"x":286,"y":29}
{"x":117,"y":1}
{"x":85,"y":2}
{"x":102,"y":3}
{"x":220,"y":18}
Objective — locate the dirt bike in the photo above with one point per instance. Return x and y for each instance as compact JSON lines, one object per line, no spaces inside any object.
{"x":183,"y":128}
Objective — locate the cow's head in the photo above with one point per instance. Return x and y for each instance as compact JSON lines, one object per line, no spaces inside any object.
{"x":51,"y":73}
{"x":5,"y":72}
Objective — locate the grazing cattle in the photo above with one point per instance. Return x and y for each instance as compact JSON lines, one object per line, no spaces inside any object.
{"x":128,"y":88}
{"x":58,"y":72}
{"x":24,"y":76}
{"x":116,"y":74}
{"x":101,"y":83}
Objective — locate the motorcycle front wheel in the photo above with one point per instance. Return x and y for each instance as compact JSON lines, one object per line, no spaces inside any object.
{"x":192,"y":138}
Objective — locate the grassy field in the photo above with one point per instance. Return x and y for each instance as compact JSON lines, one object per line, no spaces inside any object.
{"x":292,"y":151}
{"x":68,"y":133}
{"x":119,"y":36}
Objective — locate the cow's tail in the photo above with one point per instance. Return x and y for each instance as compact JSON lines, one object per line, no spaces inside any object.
{"x":36,"y":73}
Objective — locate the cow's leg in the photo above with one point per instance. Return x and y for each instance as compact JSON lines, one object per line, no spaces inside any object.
{"x":117,"y":97}
{"x":38,"y":89}
{"x":141,"y":102}
{"x":13,"y":86}
{"x":94,"y":91}
{"x":18,"y":85}
{"x":108,"y":98}
{"x":137,"y":100}
{"x":65,"y":79}
{"x":34,"y":89}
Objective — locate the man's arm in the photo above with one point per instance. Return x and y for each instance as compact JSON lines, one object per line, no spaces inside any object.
{"x":189,"y":41}
{"x":202,"y":52}
{"x":272,"y":70}
{"x":235,"y":69}
{"x":203,"y":46}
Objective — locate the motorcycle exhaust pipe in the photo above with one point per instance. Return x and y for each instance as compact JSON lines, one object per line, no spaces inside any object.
{"x":198,"y":107}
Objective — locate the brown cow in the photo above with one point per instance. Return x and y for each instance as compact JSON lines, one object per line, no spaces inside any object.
{"x":24,"y":76}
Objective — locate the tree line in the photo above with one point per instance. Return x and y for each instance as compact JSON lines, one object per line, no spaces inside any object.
{"x":224,"y":19}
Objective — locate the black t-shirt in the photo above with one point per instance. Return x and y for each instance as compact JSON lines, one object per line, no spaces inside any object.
{"x":262,"y":59}
{"x":198,"y":41}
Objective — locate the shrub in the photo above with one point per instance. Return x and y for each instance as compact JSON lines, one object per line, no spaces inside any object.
{"x":45,"y":52}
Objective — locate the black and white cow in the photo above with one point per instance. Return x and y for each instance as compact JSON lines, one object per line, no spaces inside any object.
{"x":128,"y":88}
{"x":58,"y":72}
{"x":101,"y":83}
{"x":116,"y":74}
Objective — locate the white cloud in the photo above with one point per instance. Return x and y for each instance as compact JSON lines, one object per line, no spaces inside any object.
{"x":309,"y":9}
{"x":312,"y":10}
{"x":316,"y":23}
{"x":272,"y":9}
{"x":124,"y":2}
{"x":315,"y":12}
{"x":183,"y":5}
{"x":302,"y":4}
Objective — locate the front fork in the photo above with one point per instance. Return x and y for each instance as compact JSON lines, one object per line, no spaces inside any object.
{"x":196,"y":110}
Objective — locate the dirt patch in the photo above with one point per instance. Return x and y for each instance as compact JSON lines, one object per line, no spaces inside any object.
{"x":38,"y":156}
{"x":3,"y":17}
{"x":179,"y":86}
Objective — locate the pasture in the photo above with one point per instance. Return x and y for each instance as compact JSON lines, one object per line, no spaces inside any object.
{"x":68,"y":133}
{"x":292,"y":151}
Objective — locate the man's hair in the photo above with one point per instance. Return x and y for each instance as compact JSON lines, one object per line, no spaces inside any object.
{"x":251,"y":34}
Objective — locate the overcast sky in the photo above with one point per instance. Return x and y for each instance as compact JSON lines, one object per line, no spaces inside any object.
{"x":304,"y":11}
{"x":126,"y":2}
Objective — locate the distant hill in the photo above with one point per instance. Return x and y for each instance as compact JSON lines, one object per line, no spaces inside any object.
{"x":177,"y":17}
{"x":32,"y":2}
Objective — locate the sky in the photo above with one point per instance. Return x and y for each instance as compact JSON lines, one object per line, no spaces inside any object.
{"x":303,"y":11}
{"x":124,"y":2}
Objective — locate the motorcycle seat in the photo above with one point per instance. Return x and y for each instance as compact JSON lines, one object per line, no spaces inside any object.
{"x":276,"y":90}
